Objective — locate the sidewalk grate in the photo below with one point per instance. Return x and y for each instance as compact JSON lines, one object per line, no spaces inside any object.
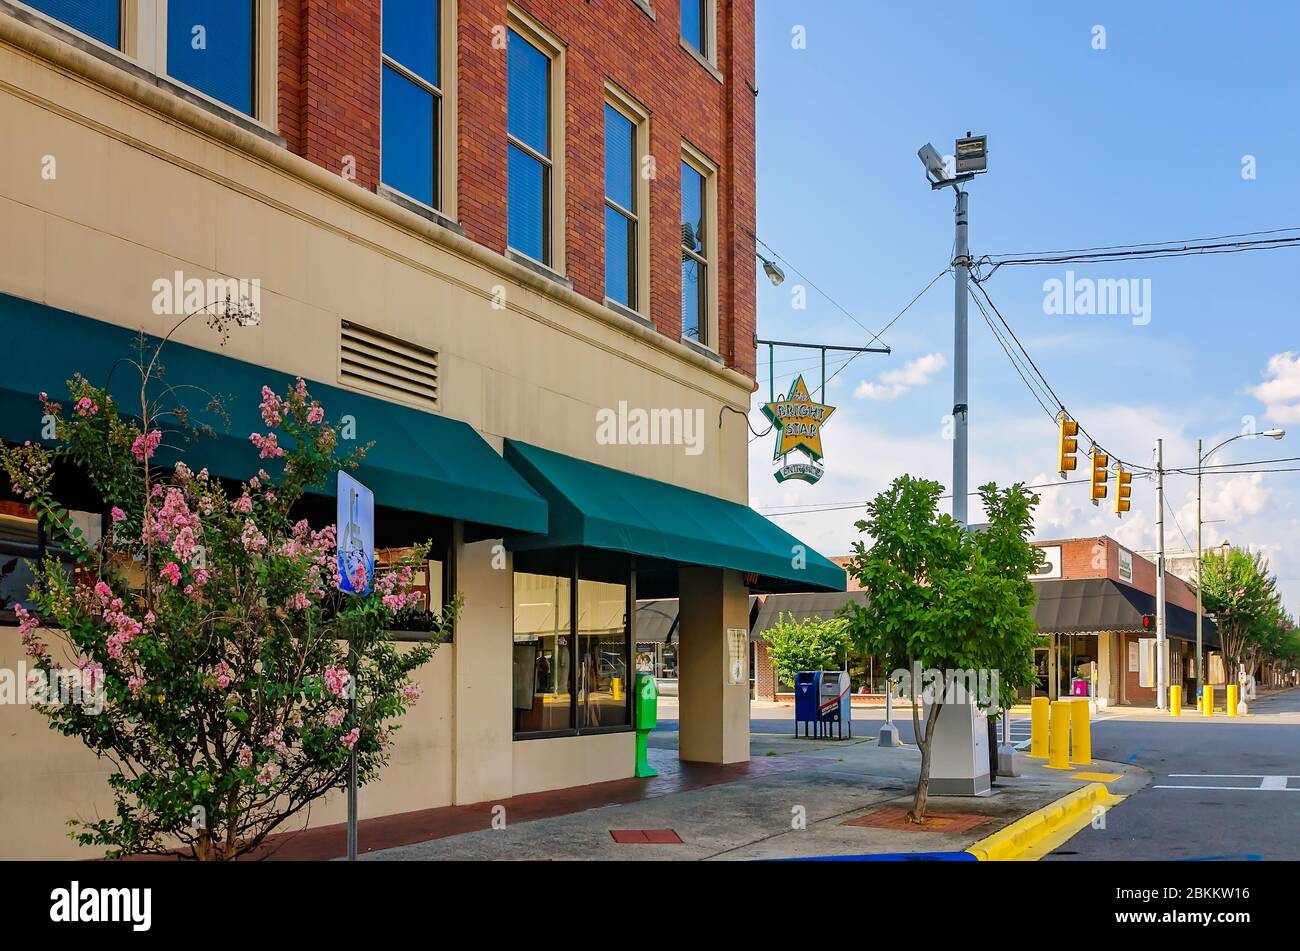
{"x":645,"y":836}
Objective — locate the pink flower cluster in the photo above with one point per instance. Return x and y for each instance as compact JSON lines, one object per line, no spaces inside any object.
{"x":87,"y":407}
{"x":146,"y":445}
{"x":251,"y":537}
{"x":349,"y":739}
{"x":27,"y":625}
{"x":272,"y":407}
{"x":337,"y":680}
{"x":224,"y":674}
{"x":395,"y":589}
{"x":266,"y":445}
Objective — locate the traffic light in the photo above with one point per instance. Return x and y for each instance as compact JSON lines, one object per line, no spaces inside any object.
{"x":1066,"y":462}
{"x":1100,"y":474}
{"x":1123,"y":489}
{"x":1148,"y":621}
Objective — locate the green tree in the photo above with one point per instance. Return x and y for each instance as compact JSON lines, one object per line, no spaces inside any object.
{"x":1240,"y":591}
{"x":812,"y":644}
{"x":945,"y":597}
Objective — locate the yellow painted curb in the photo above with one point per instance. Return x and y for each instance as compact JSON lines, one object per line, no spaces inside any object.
{"x":1034,"y":835}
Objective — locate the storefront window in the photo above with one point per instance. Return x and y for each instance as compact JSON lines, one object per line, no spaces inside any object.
{"x":543,"y":655}
{"x":603,"y":655}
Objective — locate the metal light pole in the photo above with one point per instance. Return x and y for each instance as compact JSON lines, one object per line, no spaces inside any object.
{"x":1200,"y":462}
{"x":960,"y":351}
{"x":1162,"y":671}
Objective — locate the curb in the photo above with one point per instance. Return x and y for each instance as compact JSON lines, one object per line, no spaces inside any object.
{"x":1057,"y":821}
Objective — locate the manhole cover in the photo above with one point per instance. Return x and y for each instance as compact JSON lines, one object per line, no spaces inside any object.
{"x":645,"y":836}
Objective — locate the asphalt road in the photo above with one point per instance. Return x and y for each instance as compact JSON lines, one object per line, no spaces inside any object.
{"x":1222,"y":789}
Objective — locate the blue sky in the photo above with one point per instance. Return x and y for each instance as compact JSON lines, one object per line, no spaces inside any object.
{"x":1141,"y":141}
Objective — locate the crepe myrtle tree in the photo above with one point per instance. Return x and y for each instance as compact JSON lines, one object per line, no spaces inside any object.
{"x":209,"y":625}
{"x":942,"y":596}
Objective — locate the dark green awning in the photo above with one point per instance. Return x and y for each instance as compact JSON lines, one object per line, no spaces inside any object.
{"x":421,"y":462}
{"x":594,"y":506}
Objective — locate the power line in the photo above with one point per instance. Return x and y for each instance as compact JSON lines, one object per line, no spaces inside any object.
{"x":1033,"y":391}
{"x":1144,"y":244}
{"x":841,"y":506}
{"x":1268,"y":244}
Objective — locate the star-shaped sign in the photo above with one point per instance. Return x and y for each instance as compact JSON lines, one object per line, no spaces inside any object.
{"x":799,"y":421}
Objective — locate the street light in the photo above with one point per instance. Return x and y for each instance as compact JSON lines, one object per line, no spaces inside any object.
{"x":1200,"y":463}
{"x":773,"y":272}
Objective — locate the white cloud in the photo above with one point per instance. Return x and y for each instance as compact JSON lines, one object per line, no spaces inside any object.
{"x":894,"y":383}
{"x":1280,"y":393}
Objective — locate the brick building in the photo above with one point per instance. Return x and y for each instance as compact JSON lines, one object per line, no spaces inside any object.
{"x":478,"y":225}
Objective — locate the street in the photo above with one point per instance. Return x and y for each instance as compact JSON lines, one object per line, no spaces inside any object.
{"x":1222,"y":789}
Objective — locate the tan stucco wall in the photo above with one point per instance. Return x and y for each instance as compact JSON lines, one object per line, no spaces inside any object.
{"x":47,"y":779}
{"x":714,"y":724}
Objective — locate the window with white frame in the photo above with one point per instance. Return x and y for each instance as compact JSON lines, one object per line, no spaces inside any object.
{"x":413,"y":107}
{"x":223,"y":50}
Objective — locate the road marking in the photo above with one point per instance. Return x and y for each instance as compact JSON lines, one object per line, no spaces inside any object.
{"x":1267,"y":783}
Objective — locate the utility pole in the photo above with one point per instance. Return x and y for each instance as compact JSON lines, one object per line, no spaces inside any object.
{"x":1162,"y":672}
{"x":960,"y":351}
{"x":1200,"y":647}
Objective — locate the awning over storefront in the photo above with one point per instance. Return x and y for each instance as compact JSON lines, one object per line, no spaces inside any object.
{"x":594,"y":506}
{"x":1089,"y":605}
{"x":803,"y":606}
{"x":421,"y":462}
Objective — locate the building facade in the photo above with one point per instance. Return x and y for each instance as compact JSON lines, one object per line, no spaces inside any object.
{"x":494,"y":232}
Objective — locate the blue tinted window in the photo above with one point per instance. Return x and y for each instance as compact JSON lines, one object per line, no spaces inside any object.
{"x":529,"y":96}
{"x":620,"y":250}
{"x":411,"y":36}
{"x":210,"y":47}
{"x":526,"y":205}
{"x":693,"y":28}
{"x":693,"y":283}
{"x":693,"y":223}
{"x":620,"y":158}
{"x":101,"y":19}
{"x":408,"y":141}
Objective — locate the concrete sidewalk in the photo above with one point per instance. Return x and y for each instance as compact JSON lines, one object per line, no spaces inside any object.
{"x":796,"y":809}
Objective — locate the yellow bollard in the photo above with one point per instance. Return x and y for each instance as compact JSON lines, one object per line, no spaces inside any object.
{"x":1038,"y":728}
{"x":1175,"y":700}
{"x":1081,"y":733}
{"x":1207,"y":700}
{"x":1232,"y":699}
{"x":616,"y":688}
{"x":1059,"y":742}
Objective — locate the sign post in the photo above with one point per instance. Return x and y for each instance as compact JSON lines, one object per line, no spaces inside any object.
{"x":354,"y":532}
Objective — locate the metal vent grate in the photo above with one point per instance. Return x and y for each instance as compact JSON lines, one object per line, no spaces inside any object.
{"x":387,"y":366}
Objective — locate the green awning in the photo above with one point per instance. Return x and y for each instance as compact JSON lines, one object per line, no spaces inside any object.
{"x":421,"y":462}
{"x":594,"y":506}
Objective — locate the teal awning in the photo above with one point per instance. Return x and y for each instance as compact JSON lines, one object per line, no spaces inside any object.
{"x":594,"y":506}
{"x":421,"y":462}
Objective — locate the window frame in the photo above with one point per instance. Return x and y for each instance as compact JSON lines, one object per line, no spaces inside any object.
{"x":144,"y":44}
{"x":708,"y":33}
{"x":708,"y":170}
{"x":446,"y":128}
{"x":639,"y":116}
{"x":553,"y":198}
{"x":573,"y":563}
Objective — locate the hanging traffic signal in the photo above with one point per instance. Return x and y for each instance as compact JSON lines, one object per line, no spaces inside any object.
{"x":1123,"y":489}
{"x":1148,"y":621}
{"x":1100,"y":474}
{"x":1066,"y":462}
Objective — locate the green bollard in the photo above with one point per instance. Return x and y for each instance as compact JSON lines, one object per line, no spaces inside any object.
{"x":647,"y":702}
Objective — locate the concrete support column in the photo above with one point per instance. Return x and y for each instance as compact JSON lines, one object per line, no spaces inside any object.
{"x":481,"y":726}
{"x":714,"y":714}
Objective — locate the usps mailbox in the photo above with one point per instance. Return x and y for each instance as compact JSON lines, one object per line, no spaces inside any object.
{"x":822,"y":697}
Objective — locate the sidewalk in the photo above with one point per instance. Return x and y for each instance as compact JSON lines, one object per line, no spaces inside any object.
{"x":745,"y":811}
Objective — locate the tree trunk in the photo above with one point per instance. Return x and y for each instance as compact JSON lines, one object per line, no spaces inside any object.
{"x":925,"y":744}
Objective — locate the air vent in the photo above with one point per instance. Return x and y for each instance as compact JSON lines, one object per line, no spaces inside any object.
{"x":387,"y":366}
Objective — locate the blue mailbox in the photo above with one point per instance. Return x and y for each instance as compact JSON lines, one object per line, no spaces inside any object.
{"x":822,"y":697}
{"x":807,"y":694}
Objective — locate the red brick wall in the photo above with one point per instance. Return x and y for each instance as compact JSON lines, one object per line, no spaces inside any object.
{"x":1099,"y":558}
{"x":329,"y":108}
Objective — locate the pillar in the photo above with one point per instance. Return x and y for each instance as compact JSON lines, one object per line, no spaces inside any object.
{"x":714,"y":714}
